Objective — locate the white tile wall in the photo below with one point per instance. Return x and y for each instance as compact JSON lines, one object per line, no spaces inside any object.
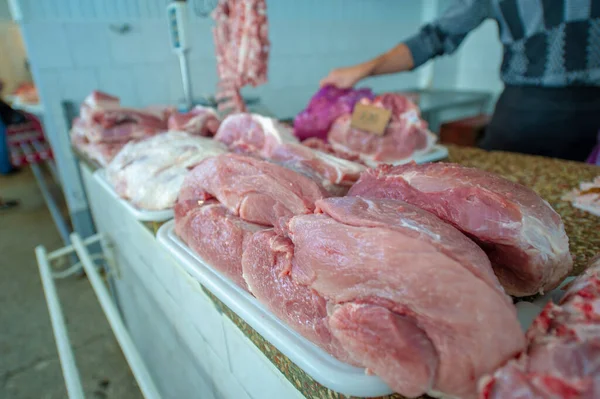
{"x":88,"y":44}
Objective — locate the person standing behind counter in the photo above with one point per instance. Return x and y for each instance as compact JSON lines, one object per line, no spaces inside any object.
{"x":551,"y":70}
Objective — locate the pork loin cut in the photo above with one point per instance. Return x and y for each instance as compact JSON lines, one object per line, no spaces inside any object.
{"x":405,"y":136}
{"x":258,"y":191}
{"x":253,"y":134}
{"x":201,"y":121}
{"x":217,"y":235}
{"x":335,"y":174}
{"x":149,"y":173}
{"x":266,"y":265}
{"x":563,"y":356}
{"x":104,"y":120}
{"x":405,"y":295}
{"x":521,"y":233}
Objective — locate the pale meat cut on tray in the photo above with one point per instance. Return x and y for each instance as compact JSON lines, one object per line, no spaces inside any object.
{"x":562,"y":359}
{"x":201,"y":121}
{"x":335,"y":174}
{"x":405,"y":136}
{"x":111,"y":122}
{"x":242,"y":49}
{"x":387,"y":286}
{"x":149,"y":173}
{"x":102,"y":153}
{"x":217,"y":235}
{"x":523,"y":236}
{"x":258,"y":191}
{"x":267,"y":138}
{"x":253,"y":134}
{"x":104,"y":127}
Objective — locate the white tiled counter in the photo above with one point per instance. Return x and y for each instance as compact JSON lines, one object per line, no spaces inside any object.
{"x":190,"y":348}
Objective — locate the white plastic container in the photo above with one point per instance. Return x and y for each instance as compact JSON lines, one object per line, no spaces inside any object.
{"x":139,"y":214}
{"x":437,"y":152}
{"x":318,"y":364}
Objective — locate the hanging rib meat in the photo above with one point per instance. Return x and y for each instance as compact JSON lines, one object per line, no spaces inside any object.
{"x":242,"y":49}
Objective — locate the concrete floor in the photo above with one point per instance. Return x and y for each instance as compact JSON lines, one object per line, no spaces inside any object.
{"x":29,"y":366}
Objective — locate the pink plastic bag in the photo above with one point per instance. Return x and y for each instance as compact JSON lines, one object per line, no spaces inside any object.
{"x":324,"y":108}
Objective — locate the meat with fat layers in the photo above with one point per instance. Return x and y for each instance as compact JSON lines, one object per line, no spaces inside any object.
{"x":521,"y":233}
{"x":385,"y":285}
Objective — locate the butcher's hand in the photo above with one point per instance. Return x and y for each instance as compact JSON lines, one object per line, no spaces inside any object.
{"x":397,"y":59}
{"x":344,"y":78}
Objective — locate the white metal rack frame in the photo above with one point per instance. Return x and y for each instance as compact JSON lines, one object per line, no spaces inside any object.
{"x":65,"y":352}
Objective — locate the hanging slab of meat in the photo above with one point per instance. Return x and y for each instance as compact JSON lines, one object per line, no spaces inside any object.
{"x":390,"y":287}
{"x":405,"y":136}
{"x":217,"y":235}
{"x":258,"y":191}
{"x":201,"y":121}
{"x":521,"y":233}
{"x":149,"y":173}
{"x":253,"y":134}
{"x":563,"y":356}
{"x":335,"y":174}
{"x":242,"y":48}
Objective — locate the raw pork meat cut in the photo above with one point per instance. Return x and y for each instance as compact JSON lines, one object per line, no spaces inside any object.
{"x":242,"y":48}
{"x":385,"y":285}
{"x":321,"y":145}
{"x":149,"y":173}
{"x":202,"y":121}
{"x":217,"y":235}
{"x":266,"y":266}
{"x":100,"y":152}
{"x":563,"y":356}
{"x":335,"y":174}
{"x":405,"y":136}
{"x":257,"y":191}
{"x":253,"y":134}
{"x":104,"y":127}
{"x":108,"y":121}
{"x":521,"y":233}
{"x":267,"y":138}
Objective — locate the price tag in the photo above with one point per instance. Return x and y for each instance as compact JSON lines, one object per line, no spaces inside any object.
{"x":370,"y":119}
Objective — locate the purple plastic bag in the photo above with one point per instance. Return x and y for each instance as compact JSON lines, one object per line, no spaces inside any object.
{"x":324,"y":108}
{"x":594,"y":157}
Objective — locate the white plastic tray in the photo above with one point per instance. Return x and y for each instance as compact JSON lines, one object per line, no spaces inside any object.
{"x":527,"y":311}
{"x":321,"y":366}
{"x":139,"y":214}
{"x":436,"y":153}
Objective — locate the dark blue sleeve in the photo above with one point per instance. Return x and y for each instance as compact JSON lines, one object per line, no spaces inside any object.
{"x":444,"y":35}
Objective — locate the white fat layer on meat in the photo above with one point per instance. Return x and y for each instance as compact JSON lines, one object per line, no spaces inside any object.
{"x":275,"y":129}
{"x":536,"y":233}
{"x":407,"y":223}
{"x":339,"y":164}
{"x":152,"y":171}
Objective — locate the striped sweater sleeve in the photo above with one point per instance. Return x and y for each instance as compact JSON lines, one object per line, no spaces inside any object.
{"x":444,"y":35}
